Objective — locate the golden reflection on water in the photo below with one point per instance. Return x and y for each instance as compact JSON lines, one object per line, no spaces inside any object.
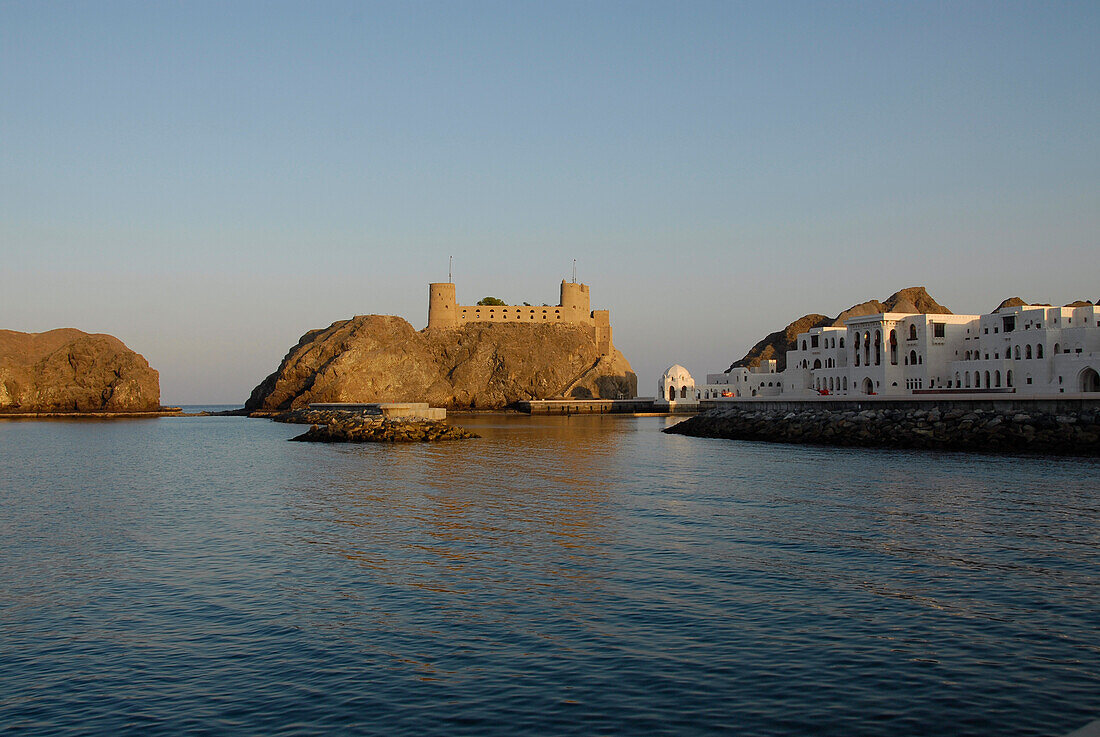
{"x":530,"y":493}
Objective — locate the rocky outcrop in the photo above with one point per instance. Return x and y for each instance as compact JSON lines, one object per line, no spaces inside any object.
{"x":1017,"y":302}
{"x":948,"y":427}
{"x":776,"y":345}
{"x":911,"y":299}
{"x":341,"y":426}
{"x":1011,"y":302}
{"x":381,"y":358}
{"x":385,"y":431}
{"x":67,"y":370}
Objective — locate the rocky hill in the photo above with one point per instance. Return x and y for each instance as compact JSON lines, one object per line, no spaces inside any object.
{"x":67,"y":370}
{"x":776,"y":345}
{"x":381,"y":358}
{"x":1018,"y":302}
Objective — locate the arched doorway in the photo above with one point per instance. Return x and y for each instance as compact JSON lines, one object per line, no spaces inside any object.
{"x":868,"y":386}
{"x":672,"y":394}
{"x":1090,"y":380}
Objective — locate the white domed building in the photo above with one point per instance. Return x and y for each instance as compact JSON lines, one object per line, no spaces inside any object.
{"x":676,"y":387}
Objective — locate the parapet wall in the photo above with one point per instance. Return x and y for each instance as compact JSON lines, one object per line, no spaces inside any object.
{"x":1068,"y":426}
{"x":573,"y":308}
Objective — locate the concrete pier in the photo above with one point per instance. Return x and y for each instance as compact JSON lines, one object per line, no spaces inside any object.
{"x":638,"y":405}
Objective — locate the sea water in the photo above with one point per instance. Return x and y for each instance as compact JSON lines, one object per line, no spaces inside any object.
{"x":573,"y":575}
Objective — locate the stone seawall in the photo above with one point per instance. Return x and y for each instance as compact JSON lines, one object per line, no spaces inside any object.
{"x":1063,"y":427}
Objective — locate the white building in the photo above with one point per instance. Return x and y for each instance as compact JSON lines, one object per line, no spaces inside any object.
{"x":676,"y":387}
{"x":1028,"y":349}
{"x":759,"y":381}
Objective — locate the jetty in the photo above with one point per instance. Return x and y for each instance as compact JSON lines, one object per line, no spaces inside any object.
{"x":638,"y":405}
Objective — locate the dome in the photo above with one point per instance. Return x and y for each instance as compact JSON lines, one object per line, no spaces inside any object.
{"x":676,"y":372}
{"x":675,"y":384}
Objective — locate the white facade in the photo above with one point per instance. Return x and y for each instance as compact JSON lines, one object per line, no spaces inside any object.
{"x":1032,"y":349}
{"x":676,"y":386}
{"x":1029,"y":349}
{"x":759,"y":381}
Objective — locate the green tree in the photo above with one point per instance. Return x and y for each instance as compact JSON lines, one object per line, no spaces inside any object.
{"x":491,"y":301}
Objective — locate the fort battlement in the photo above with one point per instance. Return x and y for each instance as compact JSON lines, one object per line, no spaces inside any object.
{"x":573,"y":308}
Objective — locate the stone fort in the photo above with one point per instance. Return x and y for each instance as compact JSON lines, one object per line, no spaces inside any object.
{"x":573,"y":308}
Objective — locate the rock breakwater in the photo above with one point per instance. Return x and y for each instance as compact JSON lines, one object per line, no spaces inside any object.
{"x":334,"y":426}
{"x":990,"y":428}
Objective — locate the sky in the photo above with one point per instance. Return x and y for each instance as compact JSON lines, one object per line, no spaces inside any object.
{"x":209,"y":181}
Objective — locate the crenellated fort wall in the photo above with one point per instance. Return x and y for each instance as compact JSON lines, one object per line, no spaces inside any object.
{"x":573,"y":308}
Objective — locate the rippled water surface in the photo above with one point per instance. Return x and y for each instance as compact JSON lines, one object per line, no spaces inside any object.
{"x":558,"y":576}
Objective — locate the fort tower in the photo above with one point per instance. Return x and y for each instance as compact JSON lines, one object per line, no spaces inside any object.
{"x":442,"y":307}
{"x":574,"y":308}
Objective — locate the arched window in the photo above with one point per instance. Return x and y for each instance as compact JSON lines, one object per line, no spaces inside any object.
{"x":1056,"y":347}
{"x":958,"y":383}
{"x":968,"y":355}
{"x":878,"y":348}
{"x":920,"y":359}
{"x":1089,"y":380}
{"x":1039,"y":351}
{"x":1027,"y":352}
{"x":803,"y":345}
{"x":683,"y":392}
{"x":817,"y":363}
{"x":866,"y":349}
{"x":1008,"y":378}
{"x":842,"y":341}
{"x":997,"y":379}
{"x":893,"y":347}
{"x":987,"y":384}
{"x":1016,"y":353}
{"x":912,"y":358}
{"x":912,"y":332}
{"x":671,"y":393}
{"x":831,"y":383}
{"x":967,"y":379}
{"x":845,"y":378}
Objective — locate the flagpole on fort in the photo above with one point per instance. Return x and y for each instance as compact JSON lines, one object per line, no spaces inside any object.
{"x":450,"y":269}
{"x":574,"y":271}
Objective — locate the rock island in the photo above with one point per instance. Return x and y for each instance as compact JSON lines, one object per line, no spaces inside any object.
{"x":468,"y":357}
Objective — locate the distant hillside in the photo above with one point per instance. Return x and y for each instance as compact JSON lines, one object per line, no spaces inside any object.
{"x":776,"y":345}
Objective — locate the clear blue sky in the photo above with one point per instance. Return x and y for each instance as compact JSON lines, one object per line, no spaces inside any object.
{"x":207,"y":181}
